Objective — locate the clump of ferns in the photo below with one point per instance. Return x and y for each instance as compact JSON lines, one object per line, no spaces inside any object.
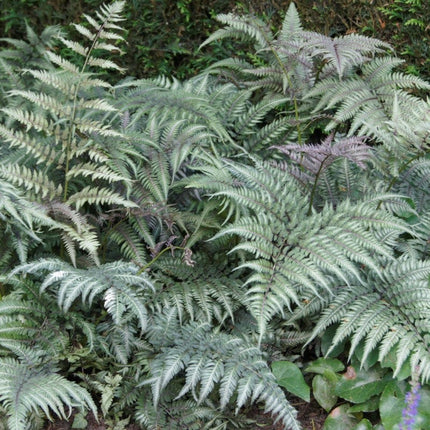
{"x":66,"y":150}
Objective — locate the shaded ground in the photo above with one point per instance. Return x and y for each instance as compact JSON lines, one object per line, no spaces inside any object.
{"x":310,"y":415}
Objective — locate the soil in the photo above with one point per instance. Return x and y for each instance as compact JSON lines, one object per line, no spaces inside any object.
{"x":310,"y":415}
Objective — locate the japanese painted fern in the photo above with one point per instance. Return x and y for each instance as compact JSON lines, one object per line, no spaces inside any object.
{"x":159,"y":234}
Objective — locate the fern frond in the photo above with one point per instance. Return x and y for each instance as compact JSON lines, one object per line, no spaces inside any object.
{"x":204,"y":292}
{"x":344,"y":52}
{"x":247,"y":28}
{"x":95,"y":172}
{"x":318,"y":158}
{"x":293,"y":247}
{"x":24,"y":389}
{"x":368,"y":98}
{"x":390,"y":314}
{"x":44,"y":101}
{"x":121,"y":285}
{"x":42,"y":152}
{"x":414,"y":182}
{"x":96,"y":195}
{"x":212,"y":359}
{"x":291,"y":26}
{"x":31,"y":180}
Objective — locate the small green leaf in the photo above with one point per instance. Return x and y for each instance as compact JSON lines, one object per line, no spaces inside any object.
{"x":79,"y":421}
{"x":324,"y":392}
{"x":339,"y":419}
{"x":364,"y":424}
{"x":322,"y":364}
{"x":358,"y":386}
{"x":289,"y":376}
{"x":391,"y":404}
{"x":370,"y":405}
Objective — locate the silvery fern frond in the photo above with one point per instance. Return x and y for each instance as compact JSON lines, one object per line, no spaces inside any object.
{"x":64,"y":136}
{"x":291,"y":246}
{"x":341,"y":54}
{"x":25,"y":389}
{"x":248,"y":28}
{"x":388,"y":312}
{"x":210,"y":360}
{"x":119,"y":284}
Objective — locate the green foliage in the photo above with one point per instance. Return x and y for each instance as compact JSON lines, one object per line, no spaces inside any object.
{"x":367,"y":390}
{"x":164,"y":36}
{"x":410,"y":18}
{"x":289,"y":376}
{"x":172,"y":246}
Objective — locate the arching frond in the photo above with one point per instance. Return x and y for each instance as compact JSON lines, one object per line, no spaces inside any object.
{"x":228,"y":362}
{"x":242,"y":27}
{"x":24,"y":389}
{"x":122,"y":287}
{"x":385,"y":313}
{"x":291,"y":245}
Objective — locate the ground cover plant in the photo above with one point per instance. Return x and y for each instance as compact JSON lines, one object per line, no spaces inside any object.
{"x":177,"y":252}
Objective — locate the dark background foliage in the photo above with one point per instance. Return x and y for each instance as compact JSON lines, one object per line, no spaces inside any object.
{"x":164,"y":35}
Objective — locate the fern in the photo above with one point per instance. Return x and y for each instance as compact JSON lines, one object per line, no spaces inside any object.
{"x":167,"y":230}
{"x":226,"y":361}
{"x":388,"y":313}
{"x":120,"y":284}
{"x":63,"y":128}
{"x":25,"y":388}
{"x":291,"y":246}
{"x":203,"y":292}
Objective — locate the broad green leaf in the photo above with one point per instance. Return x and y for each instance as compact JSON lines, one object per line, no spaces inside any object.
{"x":391,"y":404}
{"x":358,"y":386}
{"x":289,"y":376}
{"x":423,"y":418}
{"x":364,"y":424}
{"x":324,"y":392}
{"x":339,"y":419}
{"x":370,"y":405}
{"x":321,"y":365}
